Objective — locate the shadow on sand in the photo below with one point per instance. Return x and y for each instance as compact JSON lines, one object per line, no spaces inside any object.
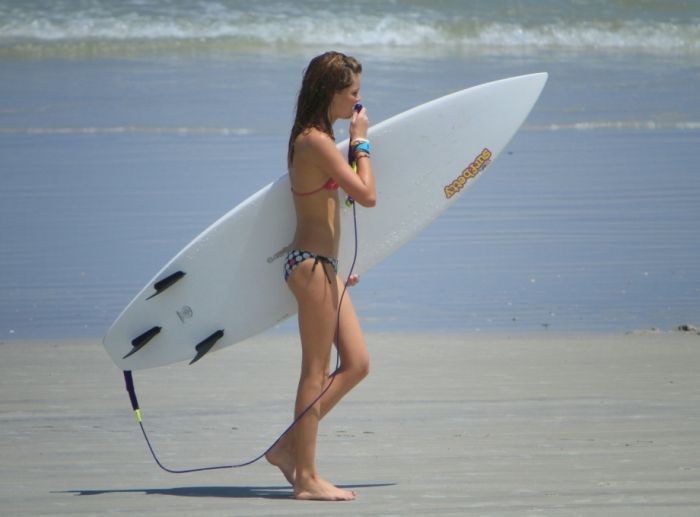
{"x":235,"y":492}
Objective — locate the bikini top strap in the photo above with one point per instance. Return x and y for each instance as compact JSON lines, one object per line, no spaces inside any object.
{"x":330,"y":184}
{"x":307,"y":193}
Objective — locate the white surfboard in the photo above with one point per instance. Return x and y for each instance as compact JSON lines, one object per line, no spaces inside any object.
{"x":227,"y":284}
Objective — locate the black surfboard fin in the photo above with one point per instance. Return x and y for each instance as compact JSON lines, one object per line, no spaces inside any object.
{"x":205,"y":346}
{"x":139,"y":342}
{"x":162,"y":285}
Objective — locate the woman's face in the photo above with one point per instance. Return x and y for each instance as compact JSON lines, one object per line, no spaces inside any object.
{"x":344,"y":101}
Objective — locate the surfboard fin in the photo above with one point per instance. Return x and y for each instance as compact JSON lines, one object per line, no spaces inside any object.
{"x":205,"y":346}
{"x":139,"y":342}
{"x":162,"y":285}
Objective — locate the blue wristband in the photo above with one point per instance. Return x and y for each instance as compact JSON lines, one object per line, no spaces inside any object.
{"x":362,"y":146}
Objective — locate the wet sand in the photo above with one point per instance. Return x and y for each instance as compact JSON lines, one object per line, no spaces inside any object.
{"x":472,"y":424}
{"x":587,"y":222}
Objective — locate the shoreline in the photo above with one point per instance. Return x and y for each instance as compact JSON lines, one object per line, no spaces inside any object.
{"x":486,"y":333}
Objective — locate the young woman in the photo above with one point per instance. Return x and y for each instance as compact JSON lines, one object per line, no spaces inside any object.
{"x":330,"y":90}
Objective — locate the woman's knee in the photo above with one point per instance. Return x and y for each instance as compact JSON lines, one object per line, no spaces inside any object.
{"x":359,"y":368}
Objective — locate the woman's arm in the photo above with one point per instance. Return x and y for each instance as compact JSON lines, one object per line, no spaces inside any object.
{"x":320,"y":149}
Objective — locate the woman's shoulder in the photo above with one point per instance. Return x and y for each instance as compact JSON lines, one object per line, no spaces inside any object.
{"x":313,"y":139}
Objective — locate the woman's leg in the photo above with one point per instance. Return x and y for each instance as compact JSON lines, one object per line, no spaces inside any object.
{"x":354,"y":366}
{"x":354,"y":357}
{"x":318,"y":302}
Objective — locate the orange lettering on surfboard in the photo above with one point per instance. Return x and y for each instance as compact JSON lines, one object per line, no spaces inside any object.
{"x":470,"y":171}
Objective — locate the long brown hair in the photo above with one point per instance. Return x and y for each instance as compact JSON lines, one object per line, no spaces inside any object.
{"x":326,"y":75}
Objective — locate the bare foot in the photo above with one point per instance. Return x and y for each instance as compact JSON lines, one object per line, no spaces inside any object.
{"x":282,"y":457}
{"x":317,"y":489}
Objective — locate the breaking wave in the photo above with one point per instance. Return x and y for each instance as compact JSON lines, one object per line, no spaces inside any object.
{"x":32,"y":28}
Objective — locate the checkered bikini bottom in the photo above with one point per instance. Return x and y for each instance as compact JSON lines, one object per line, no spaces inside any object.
{"x":297,"y":256}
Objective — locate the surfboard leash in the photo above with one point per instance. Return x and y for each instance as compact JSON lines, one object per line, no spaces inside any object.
{"x":129,"y":382}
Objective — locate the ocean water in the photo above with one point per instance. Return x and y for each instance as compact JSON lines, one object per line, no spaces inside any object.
{"x":127,"y":128}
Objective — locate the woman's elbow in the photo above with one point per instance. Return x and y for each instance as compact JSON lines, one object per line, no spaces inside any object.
{"x":368,"y":201}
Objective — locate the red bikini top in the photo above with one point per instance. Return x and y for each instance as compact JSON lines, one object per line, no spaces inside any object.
{"x":331,"y":184}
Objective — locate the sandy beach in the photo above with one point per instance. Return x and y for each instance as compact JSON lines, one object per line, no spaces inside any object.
{"x":532,"y":424}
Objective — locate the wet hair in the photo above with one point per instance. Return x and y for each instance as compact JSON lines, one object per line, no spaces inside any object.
{"x":326,"y":75}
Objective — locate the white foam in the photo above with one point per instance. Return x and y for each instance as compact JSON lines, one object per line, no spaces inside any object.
{"x":630,"y":35}
{"x":307,"y":24}
{"x":617,"y":124}
{"x":151,"y":130}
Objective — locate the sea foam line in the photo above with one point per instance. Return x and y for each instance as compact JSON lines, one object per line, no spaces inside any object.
{"x":151,"y":130}
{"x":650,"y":125}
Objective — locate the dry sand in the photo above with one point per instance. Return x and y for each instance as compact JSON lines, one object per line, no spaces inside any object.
{"x":533,"y":425}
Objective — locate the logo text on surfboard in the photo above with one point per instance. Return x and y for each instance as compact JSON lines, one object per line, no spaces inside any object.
{"x":184,"y":313}
{"x":471,"y":171}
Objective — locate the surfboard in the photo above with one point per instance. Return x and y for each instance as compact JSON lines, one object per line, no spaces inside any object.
{"x":227,"y":284}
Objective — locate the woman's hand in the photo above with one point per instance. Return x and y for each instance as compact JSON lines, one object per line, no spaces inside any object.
{"x":359,"y":124}
{"x":353,"y":280}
